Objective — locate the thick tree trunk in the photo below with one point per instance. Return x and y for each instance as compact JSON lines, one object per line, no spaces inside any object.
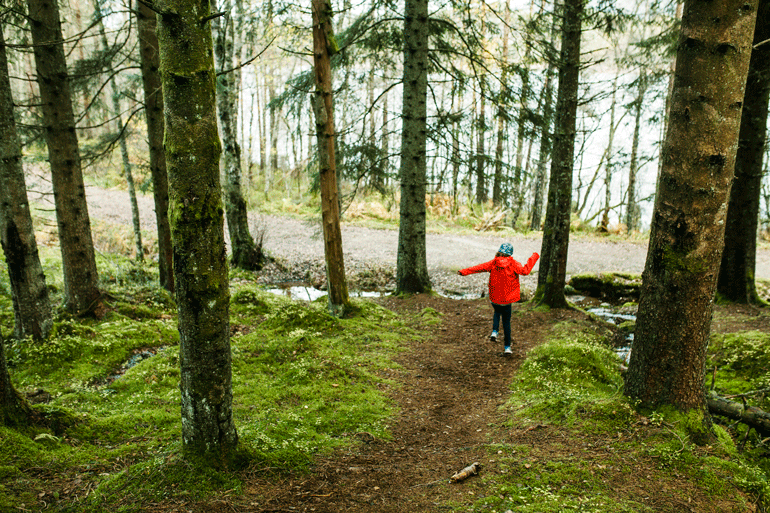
{"x":736,"y":273}
{"x":553,"y":267}
{"x":324,"y":115}
{"x":196,"y":216}
{"x":667,"y":364}
{"x":411,"y":265}
{"x":153,"y":109}
{"x":31,"y":304}
{"x":634,"y":164}
{"x":245,"y":253}
{"x":81,"y":292}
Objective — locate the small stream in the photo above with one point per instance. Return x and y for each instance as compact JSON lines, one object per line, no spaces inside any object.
{"x":610,"y":314}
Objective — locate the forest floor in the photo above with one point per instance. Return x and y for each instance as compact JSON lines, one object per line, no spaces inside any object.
{"x":451,"y":387}
{"x":450,"y":392}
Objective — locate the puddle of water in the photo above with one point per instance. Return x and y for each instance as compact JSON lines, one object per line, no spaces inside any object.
{"x":304,"y":293}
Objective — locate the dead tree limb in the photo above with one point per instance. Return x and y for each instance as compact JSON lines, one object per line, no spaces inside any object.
{"x":749,"y":415}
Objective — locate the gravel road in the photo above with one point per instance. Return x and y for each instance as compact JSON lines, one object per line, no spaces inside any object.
{"x":298,"y":247}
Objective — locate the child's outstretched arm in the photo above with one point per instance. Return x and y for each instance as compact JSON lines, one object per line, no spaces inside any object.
{"x":481,"y":268}
{"x":526,"y":269}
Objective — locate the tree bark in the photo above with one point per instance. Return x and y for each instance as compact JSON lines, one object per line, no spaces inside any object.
{"x":245,"y":253}
{"x":81,"y":292}
{"x":605,"y":222}
{"x":667,"y":364}
{"x":197,"y":229}
{"x":411,"y":264}
{"x":324,"y":114}
{"x":634,"y":164}
{"x":31,"y":303}
{"x":14,"y":409}
{"x":546,"y":143}
{"x":121,"y":134}
{"x":736,"y":272}
{"x":153,"y":109}
{"x":481,"y":133}
{"x":553,"y":267}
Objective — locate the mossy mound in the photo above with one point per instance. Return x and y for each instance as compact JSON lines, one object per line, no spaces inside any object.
{"x":614,"y":287}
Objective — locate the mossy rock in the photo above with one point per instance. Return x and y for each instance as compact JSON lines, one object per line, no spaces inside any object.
{"x":615,"y":287}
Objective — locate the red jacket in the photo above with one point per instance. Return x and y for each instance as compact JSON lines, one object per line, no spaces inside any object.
{"x":504,"y":274}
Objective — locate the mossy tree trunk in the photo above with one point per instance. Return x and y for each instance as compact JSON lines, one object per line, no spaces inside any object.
{"x":323,"y":44}
{"x":245,"y":253}
{"x":411,"y":263}
{"x":81,"y":292}
{"x":197,"y":228}
{"x":667,"y":364}
{"x":14,"y":409}
{"x":736,"y":273}
{"x":553,"y":263}
{"x":31,"y":304}
{"x":153,"y":109}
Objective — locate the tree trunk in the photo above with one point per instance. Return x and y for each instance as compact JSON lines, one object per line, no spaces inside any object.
{"x":553,"y":267}
{"x":81,"y":292}
{"x":736,"y":273}
{"x":411,"y":266}
{"x":481,"y":133}
{"x":120,"y":130}
{"x":634,"y":164}
{"x":31,"y":304}
{"x":605,"y":222}
{"x":324,"y":114}
{"x":197,"y":229}
{"x":245,"y":253}
{"x":502,"y":117}
{"x":667,"y":364}
{"x":153,"y":109}
{"x":14,"y":409}
{"x":546,"y":143}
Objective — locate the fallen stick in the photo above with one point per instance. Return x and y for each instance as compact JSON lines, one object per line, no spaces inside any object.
{"x":470,"y":470}
{"x":749,"y":415}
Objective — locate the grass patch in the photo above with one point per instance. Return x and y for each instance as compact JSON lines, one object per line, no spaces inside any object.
{"x":579,"y":445}
{"x":304,"y":383}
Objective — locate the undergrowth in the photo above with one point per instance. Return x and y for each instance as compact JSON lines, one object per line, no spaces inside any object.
{"x":569,"y":391}
{"x":304,"y":383}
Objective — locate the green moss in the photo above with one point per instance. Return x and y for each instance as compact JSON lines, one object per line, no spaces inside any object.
{"x":430,"y":316}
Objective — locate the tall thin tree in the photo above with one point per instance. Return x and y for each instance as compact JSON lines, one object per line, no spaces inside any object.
{"x":553,"y":266}
{"x":31,"y":304}
{"x":153,"y":110}
{"x":411,"y":263}
{"x":738,"y":266}
{"x":323,"y":46}
{"x":81,"y":292}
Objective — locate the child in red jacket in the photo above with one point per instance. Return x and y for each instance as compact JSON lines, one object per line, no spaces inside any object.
{"x":504,"y":288}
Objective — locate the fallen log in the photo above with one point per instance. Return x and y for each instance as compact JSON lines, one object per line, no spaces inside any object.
{"x":749,"y":415}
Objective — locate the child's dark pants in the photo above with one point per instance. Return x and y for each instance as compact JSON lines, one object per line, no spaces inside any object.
{"x":503,"y":311}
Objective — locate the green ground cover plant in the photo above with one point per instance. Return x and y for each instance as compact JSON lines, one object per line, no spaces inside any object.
{"x":304,"y":383}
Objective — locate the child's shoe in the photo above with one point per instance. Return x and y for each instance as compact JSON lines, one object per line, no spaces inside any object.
{"x":493,"y":336}
{"x":507,"y":350}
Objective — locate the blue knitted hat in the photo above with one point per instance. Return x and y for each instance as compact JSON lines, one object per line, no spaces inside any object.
{"x":506,"y":249}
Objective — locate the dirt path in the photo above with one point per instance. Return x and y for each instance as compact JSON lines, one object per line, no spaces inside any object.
{"x":451,"y":388}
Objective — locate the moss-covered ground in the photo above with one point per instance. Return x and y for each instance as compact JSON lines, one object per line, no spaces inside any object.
{"x":382,"y":405}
